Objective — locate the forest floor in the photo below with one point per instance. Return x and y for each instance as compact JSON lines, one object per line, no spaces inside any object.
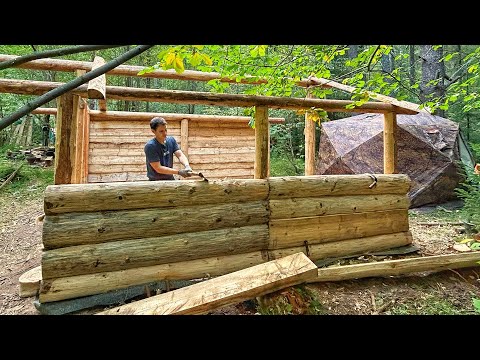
{"x":448,"y":292}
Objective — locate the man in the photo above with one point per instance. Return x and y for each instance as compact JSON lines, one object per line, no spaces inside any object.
{"x":159,"y":153}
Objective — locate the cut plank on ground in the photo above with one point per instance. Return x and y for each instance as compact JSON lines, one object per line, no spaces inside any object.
{"x":30,"y":282}
{"x":398,"y":267}
{"x":225,"y":290}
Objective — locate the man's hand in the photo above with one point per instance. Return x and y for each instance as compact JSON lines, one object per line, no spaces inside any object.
{"x":188,"y":168}
{"x":185,"y":173}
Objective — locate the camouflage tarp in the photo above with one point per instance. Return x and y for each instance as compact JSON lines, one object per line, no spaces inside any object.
{"x":427,"y":145}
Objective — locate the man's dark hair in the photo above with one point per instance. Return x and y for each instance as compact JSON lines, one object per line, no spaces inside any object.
{"x":156,"y":122}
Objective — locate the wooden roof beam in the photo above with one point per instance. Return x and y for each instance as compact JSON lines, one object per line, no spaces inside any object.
{"x":30,"y":87}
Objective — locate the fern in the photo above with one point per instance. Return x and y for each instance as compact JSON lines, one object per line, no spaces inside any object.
{"x":469,"y":192}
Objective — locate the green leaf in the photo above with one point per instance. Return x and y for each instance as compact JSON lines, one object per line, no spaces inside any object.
{"x":475,"y":246}
{"x":476,"y":304}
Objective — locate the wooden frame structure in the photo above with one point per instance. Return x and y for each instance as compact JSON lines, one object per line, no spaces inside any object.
{"x":73,"y":116}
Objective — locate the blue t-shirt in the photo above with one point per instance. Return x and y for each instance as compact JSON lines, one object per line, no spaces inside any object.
{"x":154,"y":151}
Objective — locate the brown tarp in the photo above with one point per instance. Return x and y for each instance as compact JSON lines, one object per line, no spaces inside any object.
{"x":427,"y":145}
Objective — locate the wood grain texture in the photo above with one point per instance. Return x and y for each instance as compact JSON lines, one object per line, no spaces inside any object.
{"x":225,"y":290}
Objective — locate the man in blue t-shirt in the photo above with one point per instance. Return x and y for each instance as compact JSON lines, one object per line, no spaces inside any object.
{"x":159,"y":153}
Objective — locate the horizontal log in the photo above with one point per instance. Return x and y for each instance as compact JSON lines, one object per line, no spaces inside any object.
{"x":329,"y":205}
{"x":321,"y":185}
{"x":45,"y":111}
{"x":119,"y":140}
{"x":128,"y":254}
{"x":31,"y":87}
{"x":398,"y":267}
{"x":224,"y":290}
{"x":121,"y":151}
{"x":140,"y":195}
{"x":212,"y":132}
{"x":347,"y":247}
{"x":230,"y":170}
{"x":97,"y":227}
{"x":173,"y":118}
{"x":83,"y":285}
{"x":320,"y":229}
{"x":138,"y":132}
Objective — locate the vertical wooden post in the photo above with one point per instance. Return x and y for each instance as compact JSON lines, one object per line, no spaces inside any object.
{"x":184,"y":136}
{"x":86,"y":143}
{"x":262,"y":147}
{"x":79,"y":106}
{"x":65,"y":138}
{"x":389,"y":143}
{"x":309,"y":133}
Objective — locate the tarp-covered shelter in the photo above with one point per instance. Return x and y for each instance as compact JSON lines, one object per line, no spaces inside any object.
{"x":429,"y":151}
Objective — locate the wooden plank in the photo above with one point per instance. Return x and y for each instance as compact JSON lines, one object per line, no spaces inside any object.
{"x":309,"y":133}
{"x":96,"y":87}
{"x":80,"y":107}
{"x":21,"y":127}
{"x":144,"y":132}
{"x":320,"y":229}
{"x":398,"y":267}
{"x":118,"y":177}
{"x":214,"y":132}
{"x":389,"y":144}
{"x":225,"y":290}
{"x":90,"y":284}
{"x":128,"y":254}
{"x":347,"y":247}
{"x":262,"y":150}
{"x":124,"y":124}
{"x":321,"y":185}
{"x":30,"y":282}
{"x":28,"y":142}
{"x":209,"y":158}
{"x":221,"y":141}
{"x":98,"y":227}
{"x":86,"y":144}
{"x":330,"y":205}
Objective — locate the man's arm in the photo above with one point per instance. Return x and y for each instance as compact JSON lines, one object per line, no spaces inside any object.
{"x":183,"y":159}
{"x":163,"y":169}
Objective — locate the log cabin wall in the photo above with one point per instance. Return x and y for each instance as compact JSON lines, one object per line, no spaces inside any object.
{"x":103,"y":237}
{"x":218,"y":146}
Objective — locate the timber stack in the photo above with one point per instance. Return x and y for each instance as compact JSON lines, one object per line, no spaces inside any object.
{"x":103,"y":237}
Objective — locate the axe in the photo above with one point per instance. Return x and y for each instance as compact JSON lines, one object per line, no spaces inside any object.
{"x":198,"y":174}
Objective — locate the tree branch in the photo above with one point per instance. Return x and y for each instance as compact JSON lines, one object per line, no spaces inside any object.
{"x":52,"y":53}
{"x":52,"y":94}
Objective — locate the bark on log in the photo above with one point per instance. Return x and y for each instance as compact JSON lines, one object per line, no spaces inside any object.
{"x":127,"y":254}
{"x":320,"y":229}
{"x":225,"y":290}
{"x":96,"y":87}
{"x":321,"y":185}
{"x":141,"y":195}
{"x":83,"y":285}
{"x":330,"y":205}
{"x":97,"y":227}
{"x":347,"y":247}
{"x":398,"y":267}
{"x":30,"y":87}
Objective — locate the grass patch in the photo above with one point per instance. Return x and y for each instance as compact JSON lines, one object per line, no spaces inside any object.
{"x":298,"y":300}
{"x":282,"y":166}
{"x":29,"y":182}
{"x":429,"y":305}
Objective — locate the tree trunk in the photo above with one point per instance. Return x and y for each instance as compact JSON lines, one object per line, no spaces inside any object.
{"x":411,"y":72}
{"x":432,"y":86}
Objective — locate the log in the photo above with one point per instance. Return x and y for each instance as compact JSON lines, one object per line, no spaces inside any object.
{"x":118,"y":177}
{"x":321,"y":185}
{"x":171,"y":117}
{"x":31,"y":87}
{"x":184,"y":136}
{"x":141,"y":195}
{"x":347,"y":247}
{"x":262,"y":142}
{"x":127,"y":254}
{"x":30,"y":282}
{"x":45,"y":111}
{"x":309,"y":133}
{"x":389,"y":144}
{"x":330,"y":205}
{"x":65,"y":127}
{"x":11,"y":176}
{"x":225,"y":290}
{"x":96,"y":87}
{"x":80,"y":106}
{"x":320,"y":229}
{"x":398,"y":267}
{"x":97,"y":227}
{"x":90,"y":284}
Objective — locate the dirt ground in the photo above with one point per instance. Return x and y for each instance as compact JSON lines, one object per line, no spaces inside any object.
{"x":448,"y":292}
